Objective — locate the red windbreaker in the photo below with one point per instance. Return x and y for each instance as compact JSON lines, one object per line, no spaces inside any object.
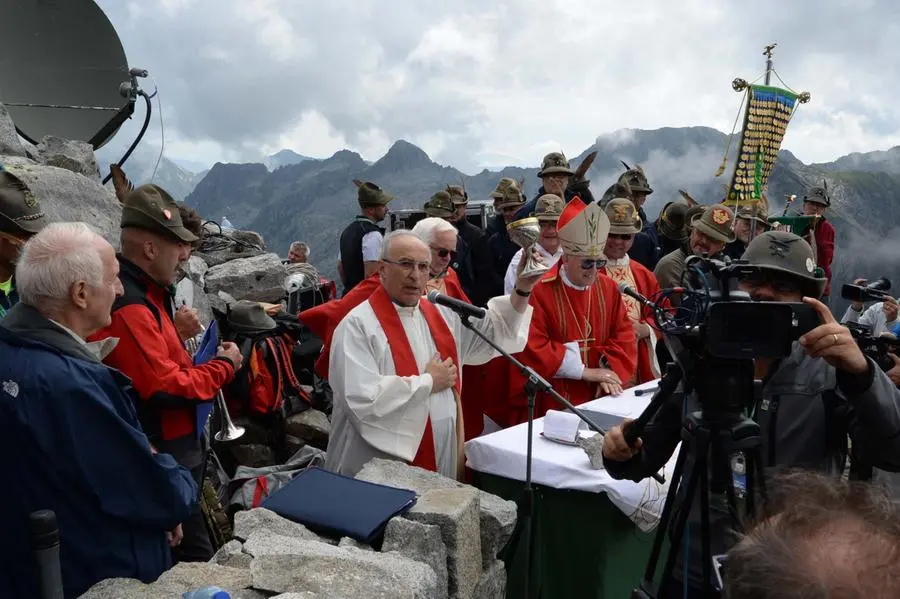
{"x":153,"y":355}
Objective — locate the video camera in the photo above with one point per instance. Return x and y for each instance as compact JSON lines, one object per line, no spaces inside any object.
{"x":727,"y":321}
{"x":876,"y":348}
{"x":875,"y":291}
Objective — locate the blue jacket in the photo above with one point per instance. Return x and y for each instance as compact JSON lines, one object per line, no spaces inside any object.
{"x":73,"y":444}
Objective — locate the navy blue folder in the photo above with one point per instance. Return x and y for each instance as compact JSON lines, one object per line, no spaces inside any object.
{"x":335,"y":505}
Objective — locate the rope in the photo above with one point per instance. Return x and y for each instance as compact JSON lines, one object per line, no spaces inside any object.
{"x":721,"y":168}
{"x":214,"y":242}
{"x":162,"y":129}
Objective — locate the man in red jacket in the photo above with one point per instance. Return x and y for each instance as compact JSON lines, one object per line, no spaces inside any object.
{"x":150,"y":350}
{"x":814,"y":204}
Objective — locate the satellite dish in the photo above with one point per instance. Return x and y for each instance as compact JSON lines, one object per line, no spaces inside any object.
{"x":61,"y":69}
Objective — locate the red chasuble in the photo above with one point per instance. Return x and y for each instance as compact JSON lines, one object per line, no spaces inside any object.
{"x":561,"y":315}
{"x":636,"y":275}
{"x":323,"y":320}
{"x":405,"y":360}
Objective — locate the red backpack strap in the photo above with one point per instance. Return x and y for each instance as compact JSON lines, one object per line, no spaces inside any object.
{"x":272,"y":345}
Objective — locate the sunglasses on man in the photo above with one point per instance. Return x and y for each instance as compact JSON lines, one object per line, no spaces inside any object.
{"x":443,"y":252}
{"x":589,"y":264}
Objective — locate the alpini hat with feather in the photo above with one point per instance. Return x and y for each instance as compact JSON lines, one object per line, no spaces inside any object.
{"x":440,"y":205}
{"x":787,"y":254}
{"x":20,"y":211}
{"x":507,"y":193}
{"x":555,"y":163}
{"x":623,"y":217}
{"x":370,"y":194}
{"x":636,"y":179}
{"x":818,"y":195}
{"x":458,"y":194}
{"x":582,"y":229}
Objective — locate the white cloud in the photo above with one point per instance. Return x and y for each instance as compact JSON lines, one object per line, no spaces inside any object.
{"x":479,"y":83}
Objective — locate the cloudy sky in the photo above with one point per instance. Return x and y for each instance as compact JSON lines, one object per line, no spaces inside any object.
{"x":484,"y":83}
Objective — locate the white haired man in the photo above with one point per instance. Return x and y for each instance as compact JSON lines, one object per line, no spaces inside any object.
{"x":395,"y":360}
{"x":298,"y":253}
{"x":441,"y":237}
{"x":70,"y":428}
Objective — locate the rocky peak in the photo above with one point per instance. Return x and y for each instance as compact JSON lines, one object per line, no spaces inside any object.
{"x":403,"y":156}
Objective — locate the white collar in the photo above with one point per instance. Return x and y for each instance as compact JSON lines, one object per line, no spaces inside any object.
{"x":623,"y":261}
{"x":100,"y":348}
{"x":568,"y":282}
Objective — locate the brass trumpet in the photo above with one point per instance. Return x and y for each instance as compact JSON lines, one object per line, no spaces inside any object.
{"x":228,"y":431}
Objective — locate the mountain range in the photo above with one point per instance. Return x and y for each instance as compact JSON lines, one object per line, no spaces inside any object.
{"x":312,"y":200}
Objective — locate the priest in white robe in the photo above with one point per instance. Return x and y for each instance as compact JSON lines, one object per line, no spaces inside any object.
{"x":395,"y":366}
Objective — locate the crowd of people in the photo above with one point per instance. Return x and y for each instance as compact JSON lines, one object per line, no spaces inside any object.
{"x":99,"y":397}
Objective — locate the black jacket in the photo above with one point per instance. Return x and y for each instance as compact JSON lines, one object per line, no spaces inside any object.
{"x":807,"y":411}
{"x":353,"y":269}
{"x":480,"y":263}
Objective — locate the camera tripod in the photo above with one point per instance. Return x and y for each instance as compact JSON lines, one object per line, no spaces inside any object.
{"x":710,"y":437}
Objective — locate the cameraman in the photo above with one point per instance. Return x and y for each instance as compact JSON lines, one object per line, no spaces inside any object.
{"x":880,"y":316}
{"x":811,"y":400}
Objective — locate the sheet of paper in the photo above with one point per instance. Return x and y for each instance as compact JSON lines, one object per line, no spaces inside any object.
{"x":561,"y":426}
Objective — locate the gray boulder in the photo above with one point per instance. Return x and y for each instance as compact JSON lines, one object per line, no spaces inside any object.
{"x":65,"y":196}
{"x":9,"y":138}
{"x":75,"y":156}
{"x":246,"y":522}
{"x":455,"y":512}
{"x":311,"y":426}
{"x":117,"y":588}
{"x":258,"y":279}
{"x":195,"y":276}
{"x":498,"y":516}
{"x":493,"y":582}
{"x":231,"y":554}
{"x":348,"y":543}
{"x":336,"y":572}
{"x":187,"y":576}
{"x":421,"y":542}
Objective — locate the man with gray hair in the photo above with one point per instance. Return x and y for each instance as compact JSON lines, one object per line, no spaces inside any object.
{"x":70,"y":428}
{"x":441,"y":237}
{"x":394,"y":365}
{"x":298,"y":253}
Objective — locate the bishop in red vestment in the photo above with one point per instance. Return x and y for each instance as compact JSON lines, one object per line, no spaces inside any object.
{"x":624,"y":225}
{"x":581,"y":338}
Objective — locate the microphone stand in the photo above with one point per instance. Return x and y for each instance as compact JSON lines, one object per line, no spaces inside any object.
{"x":533,"y":384}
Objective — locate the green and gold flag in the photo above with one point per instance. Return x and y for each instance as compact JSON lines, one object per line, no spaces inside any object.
{"x":769,"y":110}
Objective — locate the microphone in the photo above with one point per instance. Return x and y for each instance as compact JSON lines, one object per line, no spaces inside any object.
{"x":627,"y":290}
{"x":460,"y":307}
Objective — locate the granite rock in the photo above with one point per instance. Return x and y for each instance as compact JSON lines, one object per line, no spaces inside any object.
{"x":498,"y":516}
{"x":10,"y":145}
{"x":246,"y":522}
{"x":259,"y":278}
{"x":421,"y":542}
{"x":72,"y":155}
{"x":310,"y":426}
{"x":493,"y":582}
{"x":456,"y":513}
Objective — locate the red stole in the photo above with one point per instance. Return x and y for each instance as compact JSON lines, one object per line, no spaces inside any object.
{"x":405,"y":359}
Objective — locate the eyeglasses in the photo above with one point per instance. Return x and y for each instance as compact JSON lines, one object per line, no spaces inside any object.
{"x":621,"y":236}
{"x":443,"y":252}
{"x":589,"y":264}
{"x":409,"y":266}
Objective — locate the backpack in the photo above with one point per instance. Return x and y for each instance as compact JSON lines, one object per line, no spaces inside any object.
{"x":267,"y":385}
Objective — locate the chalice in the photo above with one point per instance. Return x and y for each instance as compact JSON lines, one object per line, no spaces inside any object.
{"x":525,"y":232}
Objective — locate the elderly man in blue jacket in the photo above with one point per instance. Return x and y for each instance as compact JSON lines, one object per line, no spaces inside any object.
{"x":69,"y":429}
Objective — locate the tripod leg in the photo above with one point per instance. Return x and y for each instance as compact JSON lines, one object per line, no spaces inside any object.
{"x":665,"y":517}
{"x":696,"y":471}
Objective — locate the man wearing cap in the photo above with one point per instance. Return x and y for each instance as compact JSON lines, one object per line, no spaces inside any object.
{"x":441,"y":206}
{"x":508,"y":199}
{"x":659,"y":238}
{"x":547,"y":211}
{"x":476,"y":239}
{"x":814,"y":204}
{"x":624,"y":226}
{"x":361,"y":240}
{"x":811,"y":399}
{"x":748,"y":225}
{"x":555,"y":175}
{"x":709,"y":234}
{"x":581,"y":339}
{"x":150,"y":350}
{"x":20,"y":218}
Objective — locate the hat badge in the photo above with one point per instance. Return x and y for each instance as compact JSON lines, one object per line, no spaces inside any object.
{"x":720,"y":216}
{"x":167,"y":214}
{"x":620,"y":212}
